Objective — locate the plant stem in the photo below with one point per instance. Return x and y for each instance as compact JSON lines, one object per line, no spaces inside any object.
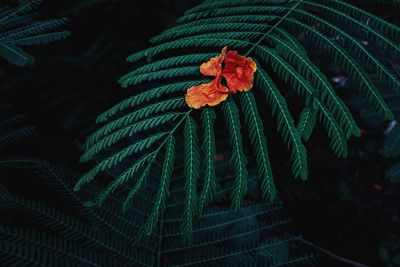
{"x":173,"y":130}
{"x":273,"y":27}
{"x":331,"y":254}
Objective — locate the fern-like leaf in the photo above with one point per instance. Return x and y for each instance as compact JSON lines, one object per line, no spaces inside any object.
{"x":138,"y":185}
{"x":208,"y":117}
{"x":142,"y":113}
{"x":161,"y":196}
{"x":259,"y":142}
{"x":238,"y":159}
{"x":122,"y":179}
{"x":266,"y":30}
{"x":127,"y":131}
{"x":116,"y":158}
{"x":22,"y":34}
{"x":15,"y":55}
{"x":192,"y":160}
{"x":146,"y":96}
{"x":307,"y":122}
{"x":285,"y":124}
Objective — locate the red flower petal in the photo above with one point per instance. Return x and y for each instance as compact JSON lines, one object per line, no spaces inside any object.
{"x":210,"y":94}
{"x":213,"y":67}
{"x":238,"y":72}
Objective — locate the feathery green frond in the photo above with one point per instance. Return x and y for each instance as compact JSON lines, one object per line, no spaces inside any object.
{"x":33,"y":29}
{"x":180,"y":28}
{"x":307,"y":122}
{"x":114,"y":137}
{"x":123,"y":178}
{"x":235,"y":10}
{"x":132,"y":79}
{"x":335,"y":133}
{"x":116,"y":158}
{"x":133,"y":117}
{"x":259,"y":142}
{"x":223,"y":27}
{"x":351,"y":66}
{"x":191,"y":162}
{"x":220,"y":236}
{"x":15,"y":55}
{"x":238,"y":159}
{"x":272,"y":32}
{"x":146,"y":96}
{"x":210,"y":5}
{"x":183,"y":60}
{"x":379,"y":24}
{"x":298,"y":57}
{"x":41,"y":39}
{"x":161,"y":196}
{"x":139,"y":183}
{"x":17,"y":29}
{"x":379,"y":38}
{"x":12,"y":136}
{"x":285,"y":124}
{"x":208,"y":117}
{"x":355,"y":47}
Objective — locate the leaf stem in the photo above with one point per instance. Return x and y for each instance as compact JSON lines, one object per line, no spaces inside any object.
{"x":185,"y":115}
{"x":273,"y":27}
{"x":331,"y":254}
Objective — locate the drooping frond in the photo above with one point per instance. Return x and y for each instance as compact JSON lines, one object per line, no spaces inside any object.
{"x":124,"y":177}
{"x":306,"y":123}
{"x":238,"y":159}
{"x":191,"y":161}
{"x":139,"y":114}
{"x":18,"y":29}
{"x":127,"y":131}
{"x":273,"y":33}
{"x":146,"y":96}
{"x":80,"y":236}
{"x":13,"y":127}
{"x":285,"y":123}
{"x":118,"y":157}
{"x":259,"y":142}
{"x":298,"y":57}
{"x":159,"y":202}
{"x":207,"y":193}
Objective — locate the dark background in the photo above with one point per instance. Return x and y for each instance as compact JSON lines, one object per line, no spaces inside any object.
{"x":348,"y":207}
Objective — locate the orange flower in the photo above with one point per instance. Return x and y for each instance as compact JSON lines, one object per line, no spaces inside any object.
{"x":210,"y":94}
{"x":236,"y":69}
{"x":238,"y":72}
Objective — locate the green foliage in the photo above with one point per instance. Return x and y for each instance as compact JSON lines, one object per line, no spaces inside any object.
{"x":208,"y":117}
{"x":139,"y":127}
{"x":307,"y":122}
{"x":238,"y":159}
{"x":259,"y":142}
{"x":17,"y":28}
{"x":191,"y":161}
{"x":13,"y":128}
{"x":102,"y":236}
{"x":285,"y":123}
{"x":158,"y":206}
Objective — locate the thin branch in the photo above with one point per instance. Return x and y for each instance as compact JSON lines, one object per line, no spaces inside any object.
{"x":331,"y":254}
